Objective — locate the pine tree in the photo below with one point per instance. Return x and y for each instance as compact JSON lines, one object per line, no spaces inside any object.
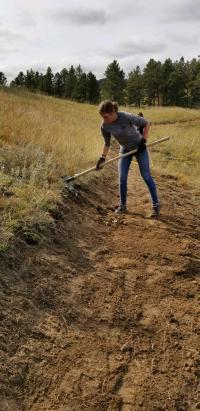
{"x":3,"y":79}
{"x":30,"y":80}
{"x":194,"y":85}
{"x":70,"y":82}
{"x":167,"y":69}
{"x":177,"y":84}
{"x":48,"y":82}
{"x":63,"y":78}
{"x":80,"y":88}
{"x":195,"y":92}
{"x":58,"y":85}
{"x":37,"y":80}
{"x":135,"y":87}
{"x":114,"y":83}
{"x":19,"y":81}
{"x":93,"y":90}
{"x":152,"y":78}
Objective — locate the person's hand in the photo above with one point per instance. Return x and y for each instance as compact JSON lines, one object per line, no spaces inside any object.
{"x":100,"y":163}
{"x":142,"y":145}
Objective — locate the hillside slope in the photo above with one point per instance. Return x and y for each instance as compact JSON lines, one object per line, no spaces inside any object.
{"x":104,"y":315}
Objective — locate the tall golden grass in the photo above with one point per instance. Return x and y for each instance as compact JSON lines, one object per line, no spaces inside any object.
{"x":43,"y":138}
{"x":181,"y":154}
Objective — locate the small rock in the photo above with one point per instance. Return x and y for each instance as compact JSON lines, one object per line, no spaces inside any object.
{"x":145,"y":255}
{"x":189,"y":295}
{"x":8,"y":193}
{"x":107,"y":223}
{"x":126,"y":347}
{"x":100,"y":210}
{"x":119,"y":357}
{"x":189,"y":363}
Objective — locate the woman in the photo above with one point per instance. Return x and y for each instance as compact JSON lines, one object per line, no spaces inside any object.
{"x":125,"y":128}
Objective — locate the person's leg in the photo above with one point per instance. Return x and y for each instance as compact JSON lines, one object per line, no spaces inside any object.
{"x":143,"y":162}
{"x":123,"y":168}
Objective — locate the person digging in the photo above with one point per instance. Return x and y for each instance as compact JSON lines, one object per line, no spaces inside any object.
{"x":126,"y":128}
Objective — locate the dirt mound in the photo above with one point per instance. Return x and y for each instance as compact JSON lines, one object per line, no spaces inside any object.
{"x":104,"y":314}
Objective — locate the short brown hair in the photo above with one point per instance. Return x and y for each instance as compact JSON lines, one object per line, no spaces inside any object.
{"x":108,"y":106}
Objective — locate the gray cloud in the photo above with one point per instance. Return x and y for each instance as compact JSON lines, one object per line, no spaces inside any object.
{"x":8,"y":35}
{"x":5,"y":51}
{"x":26,"y":20}
{"x":80,"y":16}
{"x":132,"y":48}
{"x":185,"y":11}
{"x":182,"y":39}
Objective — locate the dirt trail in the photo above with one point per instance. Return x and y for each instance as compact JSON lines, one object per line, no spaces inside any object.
{"x":104,"y":315}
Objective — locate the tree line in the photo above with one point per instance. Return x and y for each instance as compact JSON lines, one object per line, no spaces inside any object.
{"x":72,"y":84}
{"x":157,"y":84}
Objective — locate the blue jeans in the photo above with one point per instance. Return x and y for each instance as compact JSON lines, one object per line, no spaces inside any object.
{"x":123,"y":168}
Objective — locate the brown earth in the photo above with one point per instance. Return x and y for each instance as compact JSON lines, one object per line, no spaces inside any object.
{"x":103,"y":315}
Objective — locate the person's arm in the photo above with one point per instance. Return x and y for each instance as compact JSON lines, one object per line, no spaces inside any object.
{"x":105,"y":150}
{"x":146,"y":131}
{"x":102,"y":159}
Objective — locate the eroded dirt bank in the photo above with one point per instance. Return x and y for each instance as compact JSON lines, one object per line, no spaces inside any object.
{"x":104,"y":315}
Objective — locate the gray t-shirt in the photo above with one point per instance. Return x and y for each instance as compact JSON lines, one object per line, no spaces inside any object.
{"x":125,"y":130}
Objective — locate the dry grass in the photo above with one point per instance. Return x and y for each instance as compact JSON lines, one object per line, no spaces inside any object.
{"x":68,"y":131}
{"x":42,"y":138}
{"x":181,"y":154}
{"x":167,"y":115}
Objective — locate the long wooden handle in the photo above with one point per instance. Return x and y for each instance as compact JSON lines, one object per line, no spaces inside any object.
{"x":114,"y":159}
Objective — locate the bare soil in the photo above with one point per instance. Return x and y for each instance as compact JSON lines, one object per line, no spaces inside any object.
{"x":104,"y":314}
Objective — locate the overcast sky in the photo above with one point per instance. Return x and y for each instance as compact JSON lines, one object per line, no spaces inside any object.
{"x":59,"y":33}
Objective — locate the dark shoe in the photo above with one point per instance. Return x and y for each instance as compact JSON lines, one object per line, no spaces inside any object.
{"x":155,"y":211}
{"x":121,"y":209}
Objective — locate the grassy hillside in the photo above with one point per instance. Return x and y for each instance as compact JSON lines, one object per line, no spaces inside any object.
{"x":42,"y":138}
